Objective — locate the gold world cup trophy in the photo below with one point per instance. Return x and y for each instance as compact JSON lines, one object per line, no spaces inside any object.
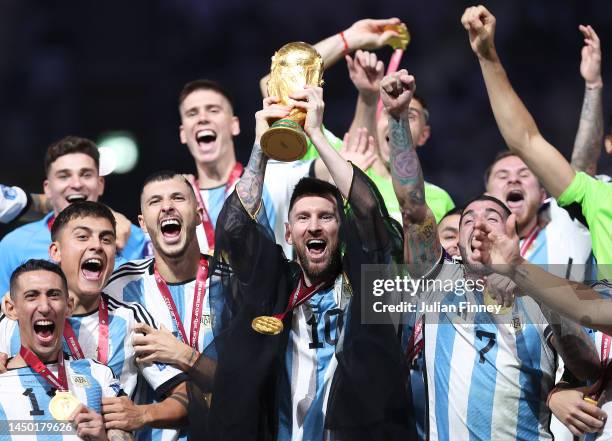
{"x":294,"y":66}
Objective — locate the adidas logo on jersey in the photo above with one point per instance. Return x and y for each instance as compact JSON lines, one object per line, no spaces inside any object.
{"x":81,"y":381}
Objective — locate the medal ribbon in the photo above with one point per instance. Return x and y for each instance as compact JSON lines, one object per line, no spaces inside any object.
{"x":598,"y":387}
{"x":198,"y":298}
{"x":209,"y":229}
{"x":529,"y":239}
{"x":60,"y":382}
{"x":73,"y":342}
{"x":50,"y":222}
{"x":416,"y":342}
{"x":300,"y":295}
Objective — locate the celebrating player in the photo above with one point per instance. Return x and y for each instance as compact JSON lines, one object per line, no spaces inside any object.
{"x":72,"y":170}
{"x":42,"y":384}
{"x":352,"y":389}
{"x":101,"y":327}
{"x":500,"y":361}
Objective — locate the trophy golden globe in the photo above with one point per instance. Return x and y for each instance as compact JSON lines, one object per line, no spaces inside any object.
{"x":294,"y":66}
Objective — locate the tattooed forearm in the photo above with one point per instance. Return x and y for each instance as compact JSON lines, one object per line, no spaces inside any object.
{"x":119,"y":435}
{"x":421,"y":248}
{"x":181,"y":398}
{"x":405,"y":166}
{"x":406,"y":171}
{"x":421,"y":245}
{"x":250,"y":186}
{"x":589,"y":138}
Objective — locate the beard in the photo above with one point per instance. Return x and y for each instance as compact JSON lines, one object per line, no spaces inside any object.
{"x":315,"y":273}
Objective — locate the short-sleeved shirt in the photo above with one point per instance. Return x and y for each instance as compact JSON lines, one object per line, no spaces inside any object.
{"x":485,"y":379}
{"x":595,"y":200}
{"x":122,"y":317}
{"x":13,"y":202}
{"x":135,"y":282}
{"x":31,"y":241}
{"x":25,"y":395}
{"x":437,"y":199}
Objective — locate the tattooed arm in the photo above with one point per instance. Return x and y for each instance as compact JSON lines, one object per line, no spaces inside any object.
{"x":250,"y":185}
{"x":587,"y":146}
{"x":421,"y":245}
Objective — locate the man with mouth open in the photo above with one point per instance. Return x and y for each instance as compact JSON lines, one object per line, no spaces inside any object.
{"x":474,"y":361}
{"x":42,"y":385}
{"x":72,"y":167}
{"x":548,"y":235}
{"x":101,"y":327}
{"x":177,"y":286}
{"x":295,"y":362}
{"x":208,"y":126}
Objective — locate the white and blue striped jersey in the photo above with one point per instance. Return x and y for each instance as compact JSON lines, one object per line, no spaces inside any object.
{"x":487,"y":377}
{"x":25,"y":395}
{"x":310,"y":364}
{"x":159,"y":378}
{"x":279,"y":181}
{"x":122,"y":318}
{"x":564,"y":244}
{"x":135,"y":282}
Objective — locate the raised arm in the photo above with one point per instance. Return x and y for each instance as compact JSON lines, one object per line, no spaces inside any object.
{"x":514,"y":121}
{"x":421,"y":245}
{"x":311,"y":100}
{"x":366,"y":71}
{"x":363,"y":34}
{"x":587,"y":146}
{"x":250,"y":186}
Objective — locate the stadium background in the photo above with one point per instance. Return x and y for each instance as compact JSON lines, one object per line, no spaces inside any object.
{"x":86,"y":68}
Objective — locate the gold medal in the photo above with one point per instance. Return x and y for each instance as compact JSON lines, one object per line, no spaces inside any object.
{"x":402,"y":39}
{"x":267,"y":325}
{"x":62,"y":405}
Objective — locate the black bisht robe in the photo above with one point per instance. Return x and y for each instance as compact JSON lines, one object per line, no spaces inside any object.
{"x":368,"y":399}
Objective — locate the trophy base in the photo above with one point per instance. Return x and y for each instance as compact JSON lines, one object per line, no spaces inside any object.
{"x":284,"y":141}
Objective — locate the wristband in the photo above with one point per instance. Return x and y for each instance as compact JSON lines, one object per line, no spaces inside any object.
{"x":346,"y":46}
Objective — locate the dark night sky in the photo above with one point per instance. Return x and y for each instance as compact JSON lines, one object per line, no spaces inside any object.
{"x":88,"y":67}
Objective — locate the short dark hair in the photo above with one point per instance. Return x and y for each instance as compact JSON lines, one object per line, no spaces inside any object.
{"x":314,"y":187}
{"x":79,"y":210}
{"x":498,"y":157}
{"x":36,"y":265}
{"x":165,"y":175}
{"x":486,"y":197}
{"x":454,"y":211}
{"x":204,"y":84}
{"x":71,"y":144}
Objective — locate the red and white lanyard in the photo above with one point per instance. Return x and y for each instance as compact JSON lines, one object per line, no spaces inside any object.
{"x":198,"y":301}
{"x":60,"y":382}
{"x":529,"y":240}
{"x":73,"y":342}
{"x":209,"y":229}
{"x":301,"y":294}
